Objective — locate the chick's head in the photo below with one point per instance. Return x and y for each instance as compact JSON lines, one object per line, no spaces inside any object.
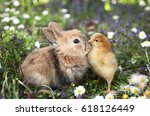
{"x":100,"y":41}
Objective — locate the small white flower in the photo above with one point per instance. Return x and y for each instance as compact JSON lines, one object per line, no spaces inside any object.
{"x":99,"y":97}
{"x":147,"y":8}
{"x":115,"y":17}
{"x":110,"y":35}
{"x":134,"y":30}
{"x":12,"y":10}
{"x":134,"y":79}
{"x":103,"y":0}
{"x":141,"y":97}
{"x":7,"y":9}
{"x":5,"y":19}
{"x":26,"y":16}
{"x":109,"y":96}
{"x":37,"y":18}
{"x":4,"y":15}
{"x":133,"y":60}
{"x":67,"y":16}
{"x":16,"y":21}
{"x":7,"y":3}
{"x":142,"y":3}
{"x":142,"y":35}
{"x":135,"y":90}
{"x":45,"y":12}
{"x":64,"y":10}
{"x":16,"y":3}
{"x":114,"y":1}
{"x":120,"y":68}
{"x":80,"y":90}
{"x":143,"y":78}
{"x":132,"y":97}
{"x":12,"y":28}
{"x":37,"y":44}
{"x":6,"y":27}
{"x":90,"y":32}
{"x":21,"y":26}
{"x":127,"y":88}
{"x":16,"y":12}
{"x":145,"y":44}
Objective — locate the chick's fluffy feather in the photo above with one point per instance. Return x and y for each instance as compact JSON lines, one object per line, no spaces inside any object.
{"x":101,"y":58}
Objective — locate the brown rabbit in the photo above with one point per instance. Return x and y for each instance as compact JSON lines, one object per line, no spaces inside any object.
{"x":63,"y":62}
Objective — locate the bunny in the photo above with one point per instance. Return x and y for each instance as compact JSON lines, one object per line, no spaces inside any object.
{"x":59,"y":64}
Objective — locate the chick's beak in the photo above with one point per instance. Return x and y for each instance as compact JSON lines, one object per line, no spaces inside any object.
{"x":90,"y":41}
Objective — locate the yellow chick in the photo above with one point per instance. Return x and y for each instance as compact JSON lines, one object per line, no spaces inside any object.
{"x":102,"y":59}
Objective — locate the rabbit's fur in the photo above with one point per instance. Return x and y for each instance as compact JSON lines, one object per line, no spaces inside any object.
{"x":59,"y":64}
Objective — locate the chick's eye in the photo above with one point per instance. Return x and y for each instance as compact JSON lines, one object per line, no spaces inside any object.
{"x":76,"y":41}
{"x":96,"y":40}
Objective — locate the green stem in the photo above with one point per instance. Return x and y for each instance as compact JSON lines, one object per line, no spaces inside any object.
{"x":147,"y":59}
{"x":147,"y":56}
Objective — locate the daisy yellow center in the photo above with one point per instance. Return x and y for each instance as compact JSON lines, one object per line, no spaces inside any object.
{"x":143,"y":34}
{"x":109,"y":97}
{"x":142,"y":80}
{"x":136,"y":91}
{"x":127,"y":89}
{"x":79,"y":91}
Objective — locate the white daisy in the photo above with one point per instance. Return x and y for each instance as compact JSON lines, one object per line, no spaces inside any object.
{"x":134,"y":79}
{"x":141,"y":97}
{"x":127,"y":88}
{"x":37,"y":44}
{"x":67,"y":16}
{"x":135,"y":90}
{"x":134,"y":30}
{"x":17,"y":12}
{"x":21,"y":26}
{"x":110,"y":35}
{"x":7,"y":9}
{"x":115,"y":17}
{"x":145,"y":44}
{"x":147,"y":8}
{"x":142,"y":35}
{"x":6,"y":27}
{"x":80,"y":90}
{"x":142,"y":3}
{"x":45,"y":12}
{"x":26,"y":16}
{"x":16,"y":3}
{"x":120,"y":68}
{"x":132,"y":97}
{"x":109,"y":96}
{"x":114,"y":1}
{"x":5,"y":19}
{"x":38,"y":18}
{"x":64,"y":10}
{"x":16,"y":21}
{"x":12,"y":28}
{"x":12,"y":10}
{"x":99,"y":97}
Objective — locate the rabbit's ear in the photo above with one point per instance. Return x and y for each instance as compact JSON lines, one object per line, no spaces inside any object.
{"x":52,"y":32}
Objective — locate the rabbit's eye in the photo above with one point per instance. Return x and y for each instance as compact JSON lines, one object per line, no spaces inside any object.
{"x":76,"y":41}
